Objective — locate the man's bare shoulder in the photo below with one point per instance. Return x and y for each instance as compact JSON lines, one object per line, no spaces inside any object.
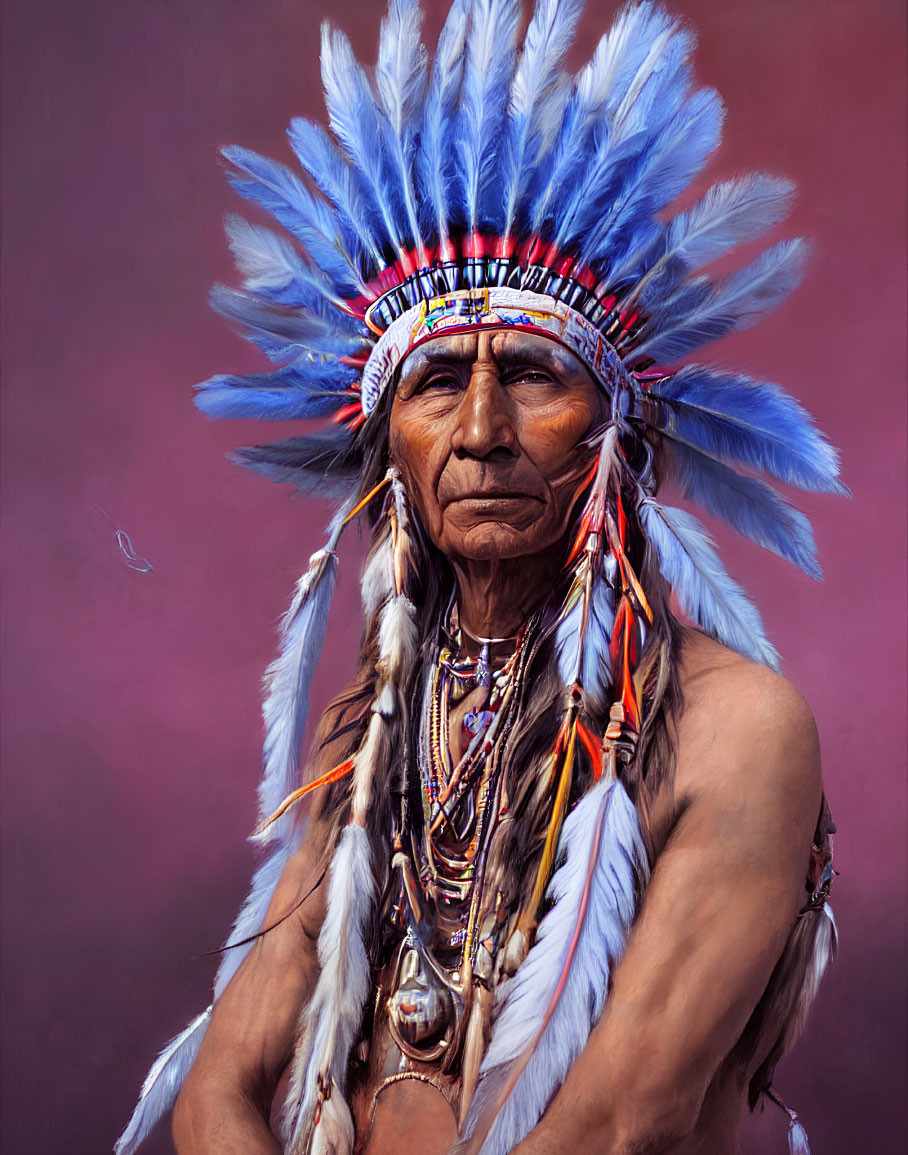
{"x":743,"y":728}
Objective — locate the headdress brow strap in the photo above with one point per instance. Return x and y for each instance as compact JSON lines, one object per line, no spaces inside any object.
{"x":500,"y":308}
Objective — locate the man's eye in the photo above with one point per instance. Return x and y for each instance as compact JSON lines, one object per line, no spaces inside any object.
{"x":439,"y":381}
{"x":531,"y":377}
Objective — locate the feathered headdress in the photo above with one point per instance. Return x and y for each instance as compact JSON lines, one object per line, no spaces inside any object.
{"x":489,"y":187}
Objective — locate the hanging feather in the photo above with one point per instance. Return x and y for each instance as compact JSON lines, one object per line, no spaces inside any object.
{"x":287,"y":680}
{"x":706,"y":593}
{"x":748,"y":505}
{"x":550,"y":1006}
{"x":480,"y":141}
{"x":162,"y":1084}
{"x":335,"y":1010}
{"x":587,"y":660}
{"x":744,"y":422}
{"x":400,"y":78}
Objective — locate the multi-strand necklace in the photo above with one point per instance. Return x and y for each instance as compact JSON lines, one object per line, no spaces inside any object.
{"x":463,"y":800}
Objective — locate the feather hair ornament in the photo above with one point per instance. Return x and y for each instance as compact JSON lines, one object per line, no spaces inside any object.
{"x":316,"y":1116}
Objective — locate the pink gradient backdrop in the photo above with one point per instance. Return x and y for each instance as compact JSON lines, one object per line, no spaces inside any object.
{"x":131,"y":701}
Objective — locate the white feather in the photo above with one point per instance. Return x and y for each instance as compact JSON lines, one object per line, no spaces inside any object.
{"x":709,"y":597}
{"x":162,"y":1084}
{"x":397,"y":638}
{"x":378,"y":578}
{"x":334,"y":1014}
{"x":603,"y":829}
{"x":334,"y":1133}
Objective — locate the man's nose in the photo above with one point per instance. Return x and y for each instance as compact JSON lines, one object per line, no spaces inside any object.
{"x":484,"y":428}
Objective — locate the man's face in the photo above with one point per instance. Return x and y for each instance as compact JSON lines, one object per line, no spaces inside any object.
{"x":485,"y":427}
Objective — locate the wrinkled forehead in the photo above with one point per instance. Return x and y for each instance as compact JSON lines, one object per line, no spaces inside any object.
{"x":505,"y":347}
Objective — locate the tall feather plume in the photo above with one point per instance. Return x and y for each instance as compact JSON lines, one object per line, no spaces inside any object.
{"x":557,"y":995}
{"x":744,"y":422}
{"x":285,"y":334}
{"x":437,"y":139}
{"x":537,"y":98}
{"x":709,"y":597}
{"x":669,"y":162}
{"x":400,"y":78}
{"x":162,"y":1084}
{"x":490,"y":59}
{"x":748,"y":505}
{"x":741,"y":300}
{"x":729,"y":214}
{"x":361,"y":127}
{"x":307,"y":217}
{"x":341,"y":184}
{"x":272,"y":267}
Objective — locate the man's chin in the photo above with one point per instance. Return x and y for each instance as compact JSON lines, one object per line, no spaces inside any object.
{"x":486,"y":540}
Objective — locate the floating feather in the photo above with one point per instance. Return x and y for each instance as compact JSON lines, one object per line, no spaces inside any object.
{"x":748,"y":505}
{"x":162,"y":1084}
{"x":745,"y":422}
{"x":550,"y":1006}
{"x":708,"y":596}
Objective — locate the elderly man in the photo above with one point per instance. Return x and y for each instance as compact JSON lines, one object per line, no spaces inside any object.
{"x":563,"y":882}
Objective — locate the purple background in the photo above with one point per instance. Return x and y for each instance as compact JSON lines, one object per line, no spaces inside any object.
{"x":131,"y":727}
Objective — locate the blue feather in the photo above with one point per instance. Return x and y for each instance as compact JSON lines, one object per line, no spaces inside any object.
{"x":400,"y":78}
{"x":729,"y":214}
{"x":748,"y":505}
{"x":274,"y":396}
{"x":677,"y":327}
{"x":434,"y":161}
{"x":587,"y":658}
{"x":343,"y":186}
{"x":311,"y":220}
{"x":668,"y":164}
{"x":361,"y":127}
{"x":284,"y":335}
{"x":537,"y":99}
{"x":751,"y":423}
{"x":706,"y":593}
{"x":481,"y":137}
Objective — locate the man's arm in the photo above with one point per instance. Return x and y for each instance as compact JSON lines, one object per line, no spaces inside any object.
{"x":720,"y":904}
{"x":225,"y":1103}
